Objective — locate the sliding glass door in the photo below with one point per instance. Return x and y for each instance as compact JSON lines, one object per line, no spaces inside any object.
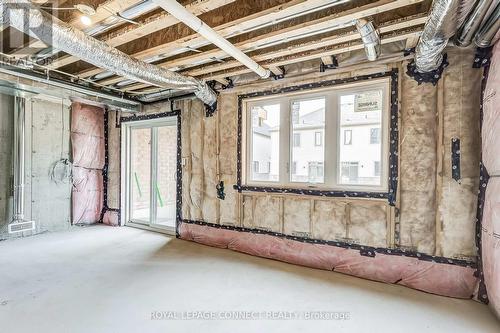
{"x":150,"y":167}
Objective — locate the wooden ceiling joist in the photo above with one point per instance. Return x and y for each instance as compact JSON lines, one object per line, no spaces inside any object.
{"x":317,"y":55}
{"x":231,"y":29}
{"x":152,"y":24}
{"x":317,"y":44}
{"x":104,"y":11}
{"x":284,"y":35}
{"x":347,"y":46}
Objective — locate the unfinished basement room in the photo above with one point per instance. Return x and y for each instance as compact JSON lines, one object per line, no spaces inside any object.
{"x":249,"y":166}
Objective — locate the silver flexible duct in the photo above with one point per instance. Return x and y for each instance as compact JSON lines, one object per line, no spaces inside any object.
{"x":472,"y":24}
{"x":370,"y":37}
{"x":60,"y":35}
{"x":441,"y":25}
{"x":489,"y":29}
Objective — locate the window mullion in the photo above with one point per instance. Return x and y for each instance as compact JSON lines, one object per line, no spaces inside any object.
{"x":331,"y":140}
{"x":285,"y":142}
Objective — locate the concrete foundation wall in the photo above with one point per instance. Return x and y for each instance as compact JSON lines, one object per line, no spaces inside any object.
{"x":6,"y":146}
{"x":47,"y":141}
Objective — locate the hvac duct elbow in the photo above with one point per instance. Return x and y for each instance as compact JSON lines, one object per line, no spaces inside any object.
{"x":490,"y":28}
{"x":472,"y":24}
{"x":371,"y":39}
{"x":64,"y":37}
{"x":440,"y":27}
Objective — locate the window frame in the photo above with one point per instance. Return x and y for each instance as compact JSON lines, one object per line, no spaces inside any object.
{"x":332,"y":133}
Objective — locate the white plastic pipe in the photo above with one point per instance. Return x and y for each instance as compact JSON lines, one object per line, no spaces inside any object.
{"x":183,"y":15}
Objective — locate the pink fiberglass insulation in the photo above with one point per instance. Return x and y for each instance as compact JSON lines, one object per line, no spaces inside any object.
{"x":111,"y":218}
{"x":87,"y":139}
{"x":491,"y":116}
{"x":87,"y":136}
{"x":490,"y":237}
{"x":87,"y":195}
{"x":491,"y":243}
{"x":440,"y":279}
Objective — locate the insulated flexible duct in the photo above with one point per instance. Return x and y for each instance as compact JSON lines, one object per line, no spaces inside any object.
{"x":23,"y":16}
{"x":442,"y":25}
{"x":472,"y":24}
{"x":370,"y":38}
{"x":489,"y":29}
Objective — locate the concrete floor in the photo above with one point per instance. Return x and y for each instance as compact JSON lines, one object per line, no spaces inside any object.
{"x":103,"y":279}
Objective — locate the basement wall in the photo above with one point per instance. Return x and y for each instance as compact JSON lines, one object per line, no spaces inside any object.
{"x":47,"y":141}
{"x":433,"y":215}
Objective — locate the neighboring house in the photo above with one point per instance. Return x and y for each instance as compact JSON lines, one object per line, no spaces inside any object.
{"x":359,"y":154}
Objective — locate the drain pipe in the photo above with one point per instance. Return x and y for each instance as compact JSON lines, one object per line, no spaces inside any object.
{"x":370,"y":38}
{"x":471,"y":26}
{"x":183,"y":15}
{"x":490,"y":28}
{"x":25,"y":17}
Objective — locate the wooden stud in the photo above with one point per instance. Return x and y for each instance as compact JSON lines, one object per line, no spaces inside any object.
{"x":440,"y":147}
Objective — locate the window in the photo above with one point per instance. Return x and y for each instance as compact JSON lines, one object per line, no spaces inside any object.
{"x":347,"y":137}
{"x":265,"y":140}
{"x":374,"y":136}
{"x":306,"y":139}
{"x":310,"y":119}
{"x":360,"y":112}
{"x":318,"y":139}
{"x":296,"y":139}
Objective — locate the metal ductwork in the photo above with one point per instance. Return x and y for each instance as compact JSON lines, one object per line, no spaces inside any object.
{"x":18,"y":157}
{"x":370,"y":37}
{"x":23,"y":16}
{"x":489,"y":29}
{"x":440,"y":27}
{"x":186,"y":17}
{"x":472,"y":24}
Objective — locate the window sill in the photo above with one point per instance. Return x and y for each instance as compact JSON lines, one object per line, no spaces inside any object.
{"x":318,"y":192}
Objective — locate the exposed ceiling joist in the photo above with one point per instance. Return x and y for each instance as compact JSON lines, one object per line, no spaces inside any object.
{"x":317,"y":44}
{"x":276,"y":70}
{"x":231,"y":29}
{"x":150,"y":25}
{"x":328,"y":23}
{"x":316,"y":54}
{"x":327,"y":60}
